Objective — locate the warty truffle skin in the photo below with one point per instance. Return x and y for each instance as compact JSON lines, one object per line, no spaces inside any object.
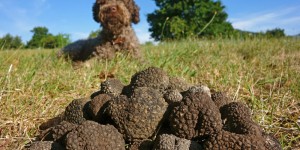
{"x":93,"y":136}
{"x":152,"y":77}
{"x":111,"y":86}
{"x":171,"y":142}
{"x":139,"y":116}
{"x":227,"y":140}
{"x":176,"y":83}
{"x":196,"y":117}
{"x":76,"y":111}
{"x":97,"y":107}
{"x":238,"y":119}
{"x":220,"y":98}
{"x":45,"y":145}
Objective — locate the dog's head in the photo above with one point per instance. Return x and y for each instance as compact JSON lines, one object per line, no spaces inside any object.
{"x":117,"y":10}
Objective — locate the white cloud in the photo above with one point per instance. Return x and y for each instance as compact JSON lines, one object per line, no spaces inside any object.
{"x":285,"y":18}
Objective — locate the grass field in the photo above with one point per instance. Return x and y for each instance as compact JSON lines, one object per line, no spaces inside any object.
{"x":263,"y":73}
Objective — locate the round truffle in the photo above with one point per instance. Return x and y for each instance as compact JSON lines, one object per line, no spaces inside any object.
{"x":139,"y":116}
{"x":97,"y":107}
{"x":152,"y":77}
{"x":238,"y":120}
{"x":91,"y":135}
{"x":195,"y":117}
{"x":111,"y":86}
{"x":76,"y":111}
{"x":220,"y":98}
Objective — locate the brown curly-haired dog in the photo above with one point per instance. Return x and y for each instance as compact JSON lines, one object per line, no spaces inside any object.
{"x":117,"y":35}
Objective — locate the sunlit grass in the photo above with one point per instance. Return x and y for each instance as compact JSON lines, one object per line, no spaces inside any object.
{"x":263,"y":73}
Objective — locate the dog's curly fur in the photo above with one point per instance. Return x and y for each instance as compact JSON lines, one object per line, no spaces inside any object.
{"x":117,"y":35}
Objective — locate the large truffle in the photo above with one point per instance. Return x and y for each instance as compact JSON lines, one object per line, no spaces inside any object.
{"x":91,"y":135}
{"x":139,"y":116}
{"x":152,"y":77}
{"x":195,"y":117}
{"x":76,"y":111}
{"x":171,"y":142}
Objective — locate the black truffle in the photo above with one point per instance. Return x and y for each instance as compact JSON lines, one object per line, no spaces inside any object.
{"x":45,"y":145}
{"x":139,"y":116}
{"x":196,"y":117}
{"x":91,"y":135}
{"x":111,"y":86}
{"x":171,"y":142}
{"x":152,"y":77}
{"x":76,"y":111}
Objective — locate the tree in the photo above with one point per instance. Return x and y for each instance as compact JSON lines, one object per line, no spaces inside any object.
{"x":94,"y":34}
{"x":39,"y":33}
{"x":43,"y":39}
{"x":177,"y":19}
{"x":276,"y":33}
{"x":10,"y":42}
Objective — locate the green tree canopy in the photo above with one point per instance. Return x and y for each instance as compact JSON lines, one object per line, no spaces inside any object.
{"x":183,"y":18}
{"x":276,"y":33}
{"x":10,"y":42}
{"x":43,"y":39}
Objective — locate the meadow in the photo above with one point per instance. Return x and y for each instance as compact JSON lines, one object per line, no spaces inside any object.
{"x":263,"y":73}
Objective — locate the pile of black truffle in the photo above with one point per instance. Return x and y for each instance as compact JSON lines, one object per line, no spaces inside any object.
{"x":155,"y":112}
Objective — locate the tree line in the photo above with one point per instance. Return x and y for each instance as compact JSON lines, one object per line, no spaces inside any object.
{"x":174,"y":19}
{"x":41,"y":39}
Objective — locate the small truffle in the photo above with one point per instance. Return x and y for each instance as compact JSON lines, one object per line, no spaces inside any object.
{"x":171,"y":142}
{"x":91,"y":135}
{"x":76,"y":111}
{"x":111,"y":86}
{"x":139,"y":116}
{"x":220,"y":98}
{"x":60,"y":131}
{"x":198,"y":88}
{"x":172,"y":96}
{"x":97,"y":106}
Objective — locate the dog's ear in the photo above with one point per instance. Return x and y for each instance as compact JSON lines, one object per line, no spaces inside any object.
{"x":135,"y":14}
{"x":96,"y":9}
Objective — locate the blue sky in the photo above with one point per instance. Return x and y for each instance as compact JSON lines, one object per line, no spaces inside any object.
{"x":74,"y":17}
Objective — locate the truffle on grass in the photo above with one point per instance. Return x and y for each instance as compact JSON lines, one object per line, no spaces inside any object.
{"x":139,"y":116}
{"x":271,"y":143}
{"x":238,"y":119}
{"x":196,"y":117}
{"x":76,"y":111}
{"x":171,"y":142}
{"x":97,"y":106}
{"x":152,"y":77}
{"x":111,"y":86}
{"x":91,"y":135}
{"x":45,"y":145}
